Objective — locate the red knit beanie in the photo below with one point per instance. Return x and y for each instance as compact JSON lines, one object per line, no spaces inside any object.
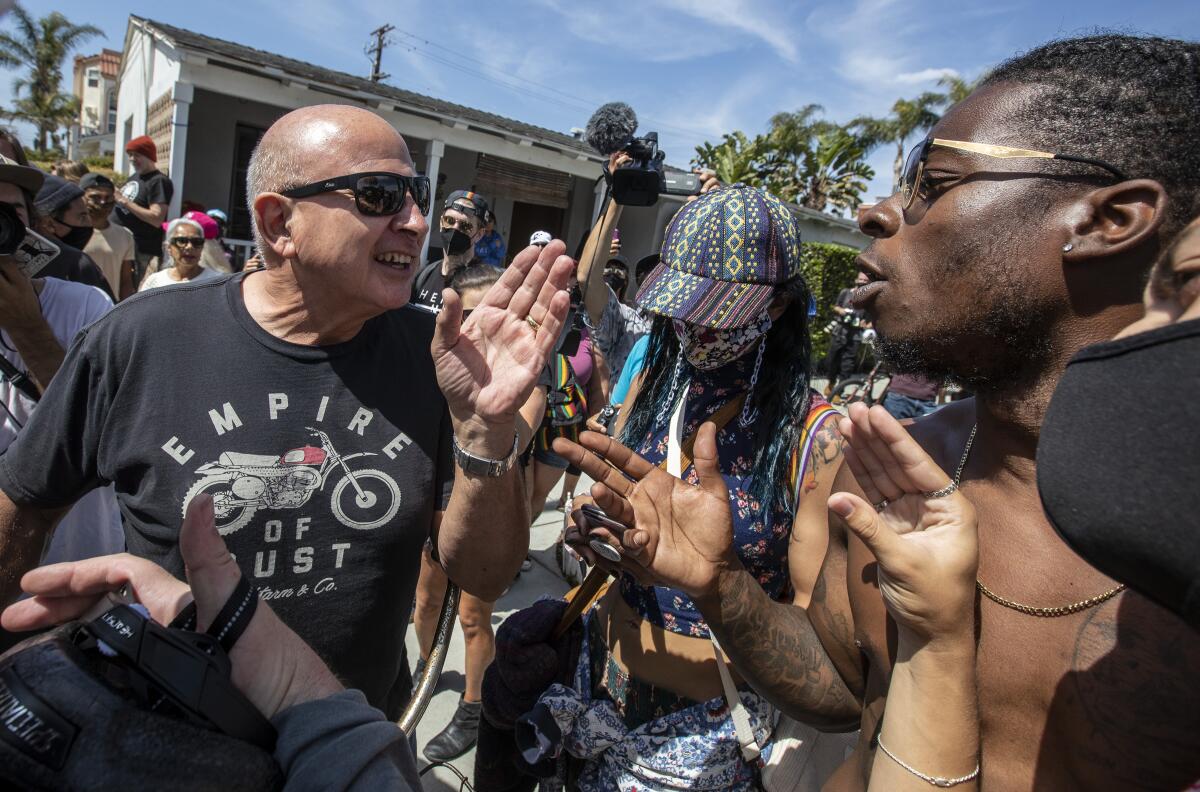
{"x":143,"y":145}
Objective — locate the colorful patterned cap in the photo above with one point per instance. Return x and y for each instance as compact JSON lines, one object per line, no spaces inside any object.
{"x":723,"y":259}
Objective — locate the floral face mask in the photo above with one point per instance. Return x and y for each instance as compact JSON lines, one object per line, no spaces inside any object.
{"x":708,"y":349}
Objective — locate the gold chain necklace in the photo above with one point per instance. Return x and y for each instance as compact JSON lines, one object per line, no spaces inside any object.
{"x":1030,"y":610}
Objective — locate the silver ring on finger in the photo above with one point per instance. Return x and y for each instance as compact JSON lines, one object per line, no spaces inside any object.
{"x":949,"y":489}
{"x":883,"y":504}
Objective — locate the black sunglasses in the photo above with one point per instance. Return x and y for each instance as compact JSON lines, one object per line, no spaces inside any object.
{"x":914,"y":166}
{"x":187,"y":241}
{"x":375,"y":194}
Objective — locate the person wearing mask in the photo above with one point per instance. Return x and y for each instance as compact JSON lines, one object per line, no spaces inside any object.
{"x":461,"y":227}
{"x":112,"y":247}
{"x":61,"y":215}
{"x":967,"y":282}
{"x":490,"y":248}
{"x":616,"y":275}
{"x":728,"y":347}
{"x":142,"y":204}
{"x":474,"y":614}
{"x":39,"y":319}
{"x":181,"y":256}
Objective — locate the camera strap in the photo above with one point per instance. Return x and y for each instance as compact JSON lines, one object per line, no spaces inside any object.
{"x":231,"y":622}
{"x":190,"y":669}
{"x":19,"y":379}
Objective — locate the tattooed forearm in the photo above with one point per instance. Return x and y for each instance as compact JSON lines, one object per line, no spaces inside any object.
{"x":774,"y":647}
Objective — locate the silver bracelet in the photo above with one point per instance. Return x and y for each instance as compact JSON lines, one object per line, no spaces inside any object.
{"x":936,"y":781}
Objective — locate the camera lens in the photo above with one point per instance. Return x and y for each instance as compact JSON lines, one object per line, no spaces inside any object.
{"x":12,"y":230}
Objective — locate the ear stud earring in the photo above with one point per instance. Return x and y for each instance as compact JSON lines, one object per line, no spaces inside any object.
{"x":1067,"y":248}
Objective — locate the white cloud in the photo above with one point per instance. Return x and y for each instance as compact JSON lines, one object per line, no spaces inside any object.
{"x":665,"y":31}
{"x":879,"y":45}
{"x":767,"y":25}
{"x":925,"y":75}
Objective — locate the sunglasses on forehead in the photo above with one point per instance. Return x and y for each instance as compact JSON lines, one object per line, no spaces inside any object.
{"x":914,"y":166}
{"x":375,"y":194}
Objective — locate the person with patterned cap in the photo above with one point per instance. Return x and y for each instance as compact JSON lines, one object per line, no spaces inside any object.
{"x":730,"y":345}
{"x":143,"y":202}
{"x":462,"y":224}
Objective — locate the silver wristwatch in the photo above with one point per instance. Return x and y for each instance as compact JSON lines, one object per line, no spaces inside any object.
{"x":482,"y":466}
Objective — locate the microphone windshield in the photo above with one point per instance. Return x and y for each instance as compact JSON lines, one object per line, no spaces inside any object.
{"x":611,"y":127}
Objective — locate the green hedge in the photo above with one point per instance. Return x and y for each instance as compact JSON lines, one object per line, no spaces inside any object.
{"x":828,"y":269}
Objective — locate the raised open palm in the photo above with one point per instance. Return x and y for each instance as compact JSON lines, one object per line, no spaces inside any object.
{"x":680,"y":534}
{"x":488,"y":365}
{"x":926,"y":542}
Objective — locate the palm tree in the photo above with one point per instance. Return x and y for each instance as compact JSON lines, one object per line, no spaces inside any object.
{"x":908,"y":117}
{"x":790,"y":141}
{"x":41,"y":46}
{"x":835,"y":173}
{"x":957,"y":88}
{"x":736,"y":158}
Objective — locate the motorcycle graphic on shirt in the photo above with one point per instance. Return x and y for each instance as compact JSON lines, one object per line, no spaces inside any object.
{"x":241,"y":484}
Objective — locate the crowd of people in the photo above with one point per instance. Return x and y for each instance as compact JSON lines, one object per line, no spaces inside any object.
{"x":999,"y":592}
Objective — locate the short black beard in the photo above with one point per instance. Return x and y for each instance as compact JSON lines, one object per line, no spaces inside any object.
{"x":1006,"y":350}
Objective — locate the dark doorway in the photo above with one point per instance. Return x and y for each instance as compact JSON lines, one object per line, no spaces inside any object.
{"x":527,"y":218}
{"x":245,"y":138}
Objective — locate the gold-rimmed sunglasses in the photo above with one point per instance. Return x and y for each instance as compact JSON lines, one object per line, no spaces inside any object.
{"x":914,"y":166}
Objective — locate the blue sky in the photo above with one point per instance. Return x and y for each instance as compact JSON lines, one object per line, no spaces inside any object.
{"x":692,"y":69}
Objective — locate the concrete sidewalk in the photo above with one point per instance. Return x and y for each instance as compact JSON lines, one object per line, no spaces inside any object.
{"x":542,"y":579}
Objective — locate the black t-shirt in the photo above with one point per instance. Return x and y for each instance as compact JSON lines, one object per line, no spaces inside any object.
{"x":145,"y":189}
{"x":428,"y":285}
{"x":73,"y":264}
{"x":179,"y":391}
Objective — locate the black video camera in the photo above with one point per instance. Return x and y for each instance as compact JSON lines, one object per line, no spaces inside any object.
{"x":640,"y":182}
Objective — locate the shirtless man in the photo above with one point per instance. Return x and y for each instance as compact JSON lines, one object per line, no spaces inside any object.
{"x":1097,"y":690}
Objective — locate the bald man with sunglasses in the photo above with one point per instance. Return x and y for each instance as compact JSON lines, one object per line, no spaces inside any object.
{"x":334,"y":428}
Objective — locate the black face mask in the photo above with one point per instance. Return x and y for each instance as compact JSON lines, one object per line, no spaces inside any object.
{"x":617,"y":283}
{"x":455,"y":242}
{"x":77,"y":237}
{"x":1118,"y":462}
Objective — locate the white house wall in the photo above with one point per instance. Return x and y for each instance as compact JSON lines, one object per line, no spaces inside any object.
{"x":272,"y":91}
{"x":149,"y":68}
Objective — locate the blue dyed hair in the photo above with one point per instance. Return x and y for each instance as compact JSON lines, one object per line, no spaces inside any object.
{"x":782,"y":395}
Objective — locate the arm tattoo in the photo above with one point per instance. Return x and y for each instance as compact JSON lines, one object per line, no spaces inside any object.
{"x":826,"y":449}
{"x":774,"y":647}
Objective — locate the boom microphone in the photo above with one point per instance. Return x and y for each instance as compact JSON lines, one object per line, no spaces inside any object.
{"x":610,"y":127}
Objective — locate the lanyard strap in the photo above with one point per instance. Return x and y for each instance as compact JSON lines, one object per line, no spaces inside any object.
{"x":680,"y":456}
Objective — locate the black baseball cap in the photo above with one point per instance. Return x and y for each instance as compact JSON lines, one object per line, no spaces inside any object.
{"x":95,"y":180}
{"x":468,"y":202}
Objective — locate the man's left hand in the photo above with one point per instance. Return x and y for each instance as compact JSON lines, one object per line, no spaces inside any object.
{"x":19,"y":305}
{"x":487,"y":365}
